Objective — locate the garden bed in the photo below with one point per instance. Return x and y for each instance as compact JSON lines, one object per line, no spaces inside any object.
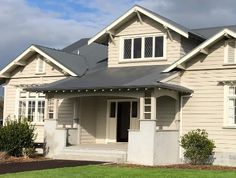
{"x":178,"y":166}
{"x":21,"y":164}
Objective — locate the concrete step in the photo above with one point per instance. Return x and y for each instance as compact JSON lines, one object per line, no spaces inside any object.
{"x":116,"y":156}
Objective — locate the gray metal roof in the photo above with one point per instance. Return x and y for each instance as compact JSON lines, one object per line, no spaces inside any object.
{"x":88,"y":57}
{"x":73,"y":48}
{"x":109,"y":78}
{"x":210,"y":31}
{"x":73,"y":62}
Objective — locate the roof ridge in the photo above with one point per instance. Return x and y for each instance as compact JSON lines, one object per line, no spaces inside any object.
{"x":59,"y":50}
{"x":222,"y":26}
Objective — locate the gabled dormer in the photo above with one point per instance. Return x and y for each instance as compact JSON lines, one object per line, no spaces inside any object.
{"x":142,"y":37}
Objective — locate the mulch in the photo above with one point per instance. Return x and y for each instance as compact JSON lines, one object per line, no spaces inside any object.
{"x":180,"y":166}
{"x":13,"y":167}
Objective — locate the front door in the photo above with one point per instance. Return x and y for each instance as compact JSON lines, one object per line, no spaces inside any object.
{"x":123,"y":121}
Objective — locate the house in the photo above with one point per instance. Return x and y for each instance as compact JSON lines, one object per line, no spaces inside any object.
{"x":130,"y":92}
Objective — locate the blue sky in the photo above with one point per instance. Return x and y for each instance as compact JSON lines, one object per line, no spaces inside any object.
{"x":57,"y":23}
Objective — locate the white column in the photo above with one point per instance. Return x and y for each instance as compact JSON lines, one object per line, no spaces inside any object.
{"x":153,"y":108}
{"x":141,"y":108}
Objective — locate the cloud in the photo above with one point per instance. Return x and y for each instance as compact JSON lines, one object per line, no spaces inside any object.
{"x":22,"y":25}
{"x":57,"y":23}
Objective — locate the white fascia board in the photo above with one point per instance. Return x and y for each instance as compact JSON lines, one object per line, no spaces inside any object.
{"x":33,"y":48}
{"x":134,"y":10}
{"x":198,"y":49}
{"x":5,"y":69}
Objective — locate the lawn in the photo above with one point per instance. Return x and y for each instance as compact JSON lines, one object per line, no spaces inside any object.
{"x":121,"y":172}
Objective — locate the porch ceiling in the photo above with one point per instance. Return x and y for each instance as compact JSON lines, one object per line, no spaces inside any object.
{"x":115,"y":78}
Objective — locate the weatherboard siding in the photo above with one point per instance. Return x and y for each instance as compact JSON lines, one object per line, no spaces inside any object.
{"x":205,"y":109}
{"x":26,"y":76}
{"x":134,"y":27}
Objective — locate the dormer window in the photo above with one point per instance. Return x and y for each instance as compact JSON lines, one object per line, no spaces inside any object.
{"x":142,"y":48}
{"x":230,"y":52}
{"x":40,"y":66}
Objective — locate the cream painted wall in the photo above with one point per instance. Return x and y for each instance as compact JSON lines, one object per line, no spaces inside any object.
{"x":205,"y":109}
{"x":26,"y":76}
{"x":174,"y":48}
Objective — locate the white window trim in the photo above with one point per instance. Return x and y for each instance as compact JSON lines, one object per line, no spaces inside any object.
{"x":226,"y":48}
{"x":36,"y":99}
{"x":142,"y":59}
{"x":226,"y":123}
{"x":37,"y":65}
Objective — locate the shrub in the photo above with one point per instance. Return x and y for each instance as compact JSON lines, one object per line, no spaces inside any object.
{"x":198,"y":148}
{"x":16,"y":136}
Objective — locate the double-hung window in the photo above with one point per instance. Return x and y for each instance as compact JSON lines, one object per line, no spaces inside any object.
{"x":31,"y":106}
{"x":231,"y":106}
{"x":148,"y":47}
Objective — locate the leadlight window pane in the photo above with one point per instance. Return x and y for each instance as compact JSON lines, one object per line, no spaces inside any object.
{"x":134,"y":109}
{"x":127,"y":48}
{"x":21,"y":109}
{"x":41,"y":110}
{"x":148,"y":46}
{"x":159,"y":46}
{"x":113,"y":109}
{"x":137,"y":47}
{"x":51,"y":108}
{"x":31,"y":111}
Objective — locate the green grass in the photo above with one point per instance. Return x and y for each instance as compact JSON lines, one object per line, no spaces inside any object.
{"x":121,"y":172}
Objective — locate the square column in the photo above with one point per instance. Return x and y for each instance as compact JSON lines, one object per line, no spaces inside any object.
{"x":141,"y":145}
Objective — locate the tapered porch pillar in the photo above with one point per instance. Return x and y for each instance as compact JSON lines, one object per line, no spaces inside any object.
{"x":141,"y":145}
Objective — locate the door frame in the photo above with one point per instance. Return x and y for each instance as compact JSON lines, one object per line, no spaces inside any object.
{"x":108,"y":118}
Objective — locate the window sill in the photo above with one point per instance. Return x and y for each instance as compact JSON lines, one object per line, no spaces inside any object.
{"x":38,"y":123}
{"x":229,"y":127}
{"x":40,"y":73}
{"x":229,"y":64}
{"x":140,"y":60}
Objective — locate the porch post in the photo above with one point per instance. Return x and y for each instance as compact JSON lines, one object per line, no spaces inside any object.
{"x":141,"y":145}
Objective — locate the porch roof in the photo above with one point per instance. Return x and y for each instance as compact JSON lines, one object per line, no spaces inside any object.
{"x":114,"y":78}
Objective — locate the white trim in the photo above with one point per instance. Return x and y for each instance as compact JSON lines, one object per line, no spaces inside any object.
{"x":3,"y":72}
{"x":198,"y":49}
{"x":136,"y":9}
{"x":227,"y":96}
{"x":181,"y":122}
{"x":142,"y":59}
{"x":109,"y":101}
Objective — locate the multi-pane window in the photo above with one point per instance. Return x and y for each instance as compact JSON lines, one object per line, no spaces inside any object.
{"x":134,"y":109}
{"x":40,"y":68}
{"x":143,"y":47}
{"x":232,"y":106}
{"x":51,"y":108}
{"x":31,"y":106}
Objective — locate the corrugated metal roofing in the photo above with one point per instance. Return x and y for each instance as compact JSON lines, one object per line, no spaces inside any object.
{"x":123,"y":77}
{"x":210,"y":31}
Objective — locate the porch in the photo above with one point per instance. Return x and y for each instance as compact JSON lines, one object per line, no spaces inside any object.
{"x":102,"y":125}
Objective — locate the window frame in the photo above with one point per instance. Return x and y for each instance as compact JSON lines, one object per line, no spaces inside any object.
{"x":40,"y":58}
{"x":226,"y":48}
{"x":143,"y":58}
{"x":38,"y":98}
{"x":227,"y":123}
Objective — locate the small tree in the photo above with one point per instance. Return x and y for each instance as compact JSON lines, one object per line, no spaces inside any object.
{"x":16,"y":136}
{"x":198,"y":148}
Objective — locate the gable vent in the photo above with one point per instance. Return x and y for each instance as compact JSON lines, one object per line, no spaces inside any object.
{"x":231,"y":48}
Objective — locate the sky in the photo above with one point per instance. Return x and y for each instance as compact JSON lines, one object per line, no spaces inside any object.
{"x":57,"y":23}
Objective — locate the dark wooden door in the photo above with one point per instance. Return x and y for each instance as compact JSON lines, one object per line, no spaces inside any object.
{"x":123,"y":121}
